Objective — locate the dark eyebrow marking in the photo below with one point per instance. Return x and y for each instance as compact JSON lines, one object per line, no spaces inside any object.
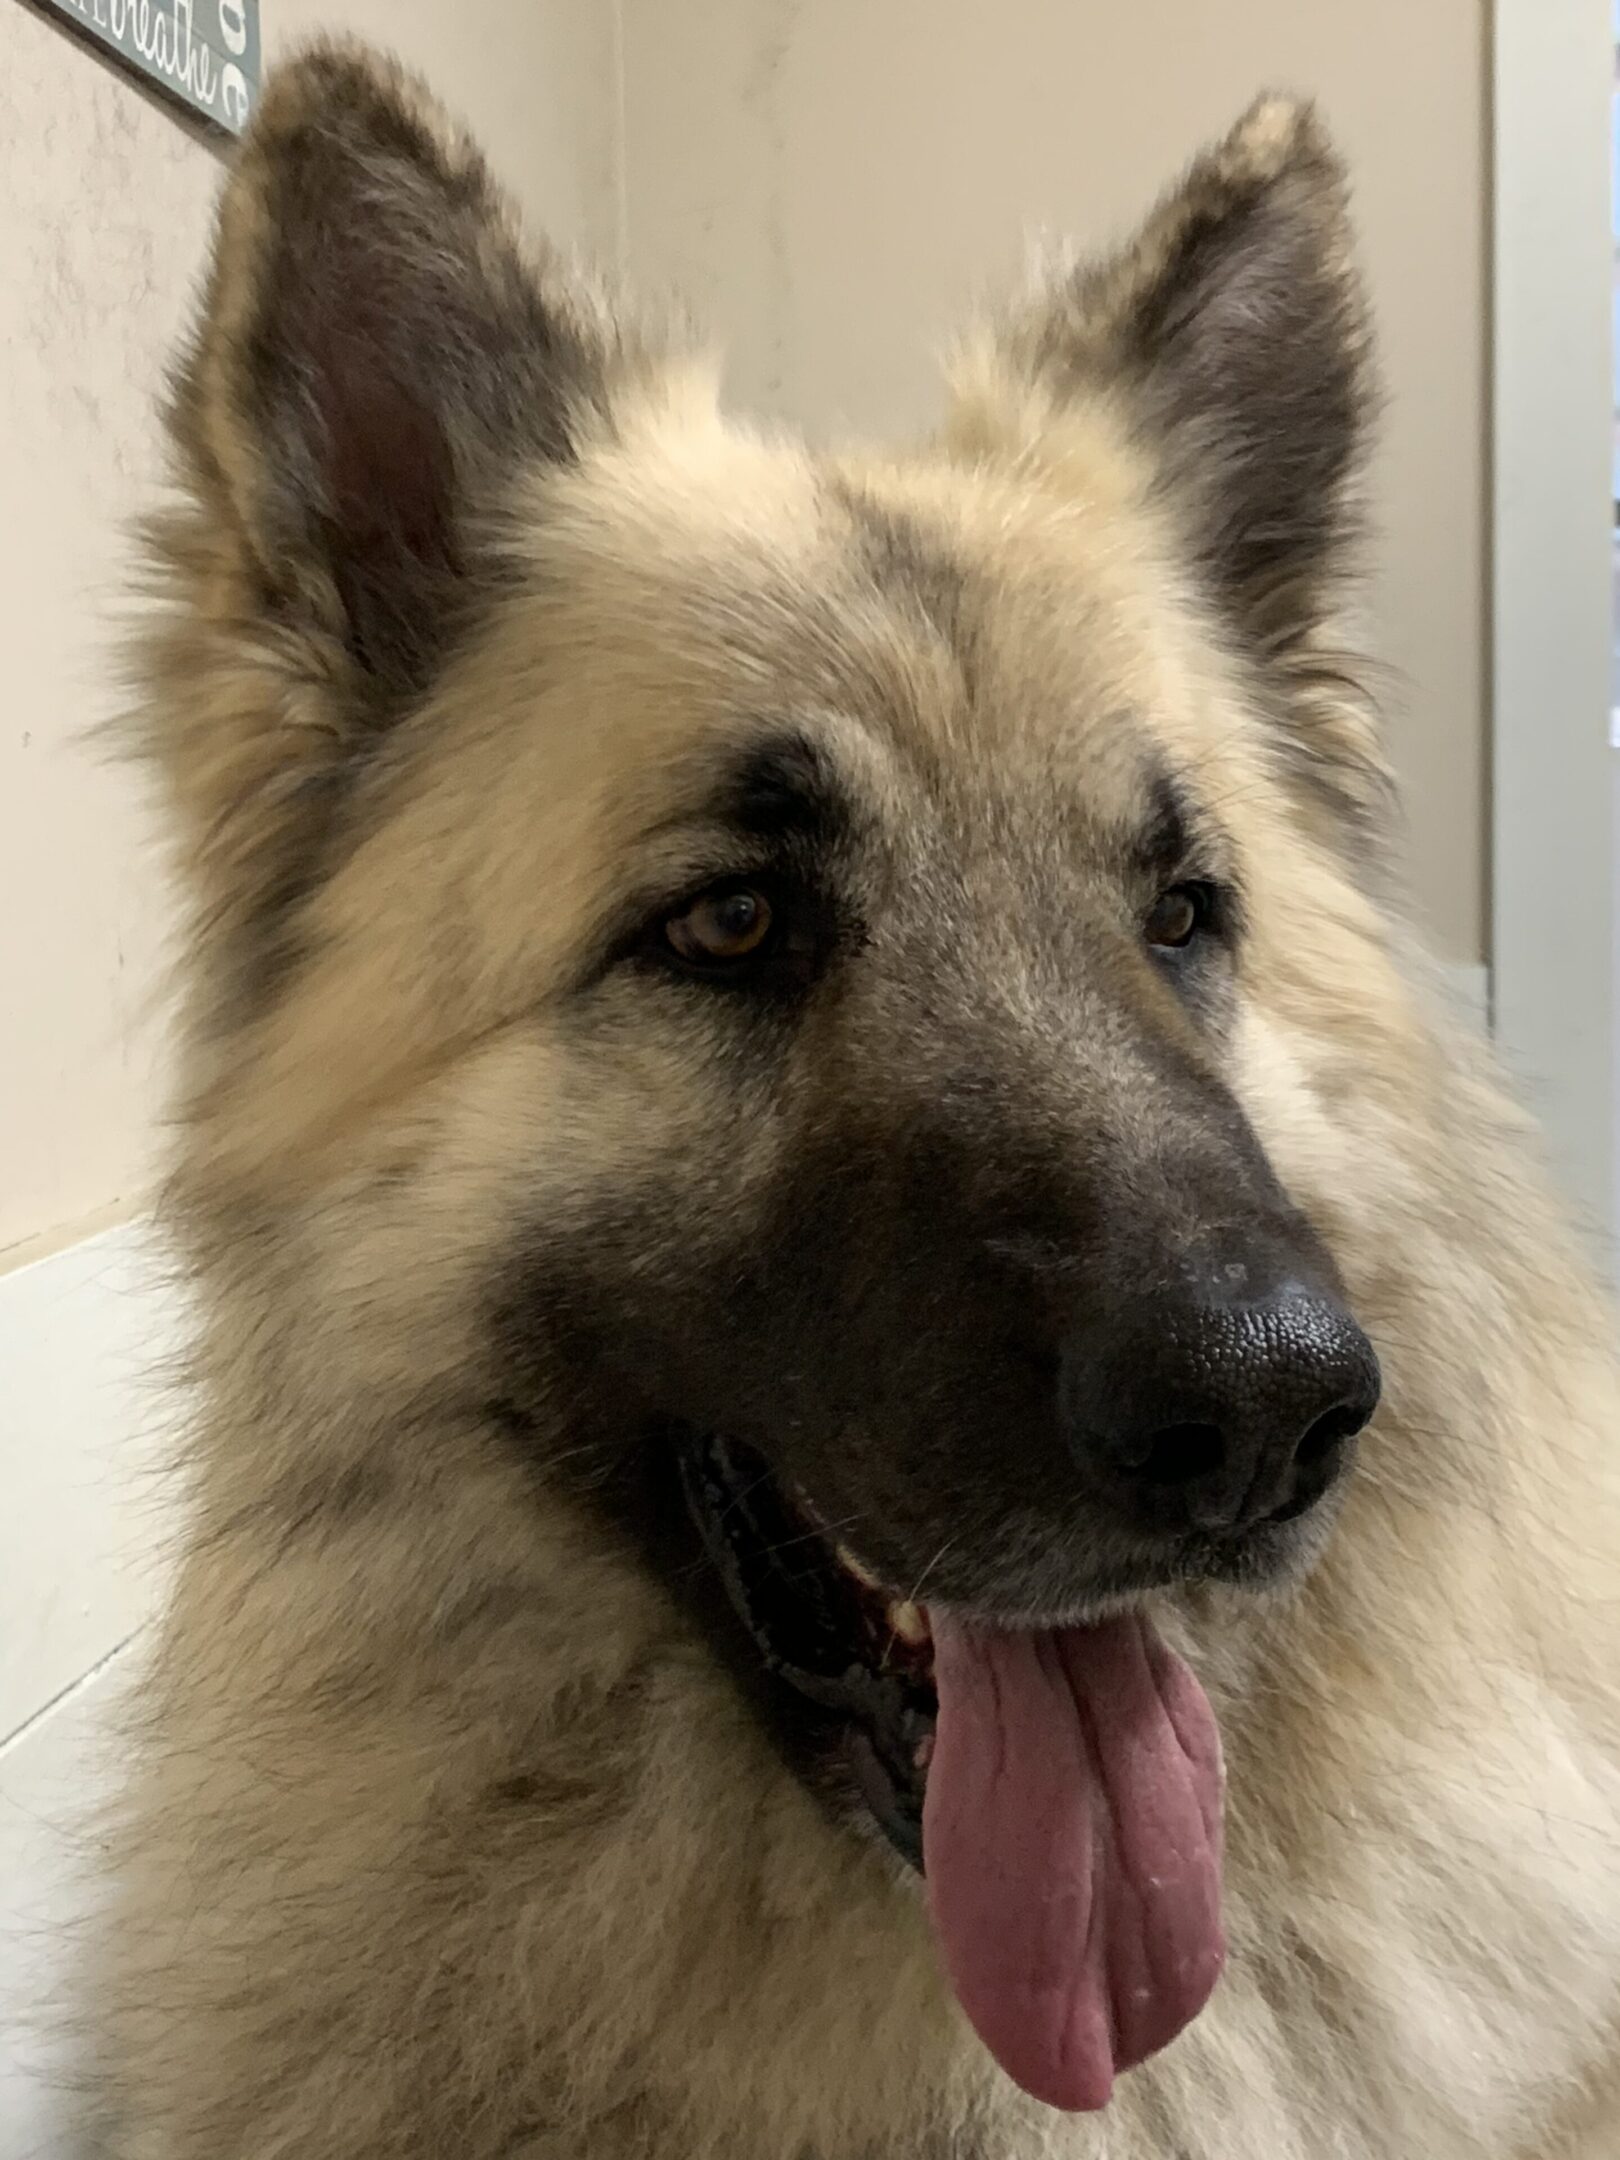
{"x":1166,"y":839}
{"x":783,"y":789}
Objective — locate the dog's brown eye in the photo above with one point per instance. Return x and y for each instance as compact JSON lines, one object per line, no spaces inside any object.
{"x":1178,"y":915}
{"x":720,"y":927}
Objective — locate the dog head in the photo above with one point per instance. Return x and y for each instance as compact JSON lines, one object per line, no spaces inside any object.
{"x":799,"y":948}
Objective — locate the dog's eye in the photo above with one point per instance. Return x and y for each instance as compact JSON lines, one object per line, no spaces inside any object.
{"x":1178,"y":915}
{"x":721,"y":928}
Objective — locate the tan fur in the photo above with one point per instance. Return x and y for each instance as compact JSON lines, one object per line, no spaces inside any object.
{"x":447,"y":1839}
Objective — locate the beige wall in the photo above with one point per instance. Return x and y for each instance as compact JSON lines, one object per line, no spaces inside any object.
{"x":831,"y":181}
{"x":104,"y":207}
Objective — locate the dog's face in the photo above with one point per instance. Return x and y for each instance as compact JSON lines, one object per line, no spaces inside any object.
{"x":926,"y":1183}
{"x":792,"y":948}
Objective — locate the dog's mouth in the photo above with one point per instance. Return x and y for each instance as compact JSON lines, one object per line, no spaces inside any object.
{"x":1059,"y":1785}
{"x":825,"y":1627}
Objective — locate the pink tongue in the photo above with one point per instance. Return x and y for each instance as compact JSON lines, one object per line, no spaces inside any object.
{"x":1072,"y":1840}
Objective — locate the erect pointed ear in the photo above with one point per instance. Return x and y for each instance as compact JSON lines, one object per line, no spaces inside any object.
{"x":376,"y":353}
{"x":1233,"y":330}
{"x":379,"y":358}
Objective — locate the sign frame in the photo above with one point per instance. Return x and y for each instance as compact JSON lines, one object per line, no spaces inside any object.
{"x":203,"y":54}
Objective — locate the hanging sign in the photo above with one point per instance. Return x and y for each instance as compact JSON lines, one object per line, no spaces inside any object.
{"x":204,"y":52}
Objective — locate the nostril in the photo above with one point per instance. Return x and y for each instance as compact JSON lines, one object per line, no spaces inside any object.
{"x":1180,"y":1454}
{"x":1213,"y":1417}
{"x":1330,"y":1431}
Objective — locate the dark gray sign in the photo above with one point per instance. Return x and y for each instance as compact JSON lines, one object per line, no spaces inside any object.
{"x":204,"y":52}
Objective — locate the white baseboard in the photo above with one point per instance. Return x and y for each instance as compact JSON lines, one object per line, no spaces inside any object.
{"x":84,"y":1416}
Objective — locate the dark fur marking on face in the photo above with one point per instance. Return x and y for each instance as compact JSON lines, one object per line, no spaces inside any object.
{"x":906,"y":565}
{"x":907,"y":1272}
{"x":783,"y":789}
{"x":1163,"y":845}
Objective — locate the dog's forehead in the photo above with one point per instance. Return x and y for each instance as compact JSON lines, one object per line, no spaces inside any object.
{"x":937,"y":631}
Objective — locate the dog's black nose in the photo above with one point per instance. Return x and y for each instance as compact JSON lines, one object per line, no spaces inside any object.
{"x":1206,"y":1413}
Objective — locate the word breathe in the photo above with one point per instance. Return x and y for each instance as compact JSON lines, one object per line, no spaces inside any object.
{"x":170,"y":41}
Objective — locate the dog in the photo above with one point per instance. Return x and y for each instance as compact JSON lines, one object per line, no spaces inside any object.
{"x":894,"y":1449}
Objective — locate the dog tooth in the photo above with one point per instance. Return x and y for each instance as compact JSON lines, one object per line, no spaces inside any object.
{"x":909,"y":1621}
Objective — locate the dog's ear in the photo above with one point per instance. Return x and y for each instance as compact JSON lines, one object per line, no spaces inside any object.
{"x":376,"y":353}
{"x":1233,"y":329}
{"x":1230,"y":339}
{"x":378,"y":358}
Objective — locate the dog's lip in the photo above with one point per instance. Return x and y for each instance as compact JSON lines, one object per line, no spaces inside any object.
{"x":910,"y":1615}
{"x":1270,"y":1551}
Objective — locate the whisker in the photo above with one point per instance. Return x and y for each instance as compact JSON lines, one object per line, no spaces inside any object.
{"x":915,"y":1593}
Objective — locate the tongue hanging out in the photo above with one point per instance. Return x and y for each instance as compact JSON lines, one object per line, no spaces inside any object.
{"x":1072,"y":1840}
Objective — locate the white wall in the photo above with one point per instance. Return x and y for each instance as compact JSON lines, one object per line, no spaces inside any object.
{"x":1554,"y":931}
